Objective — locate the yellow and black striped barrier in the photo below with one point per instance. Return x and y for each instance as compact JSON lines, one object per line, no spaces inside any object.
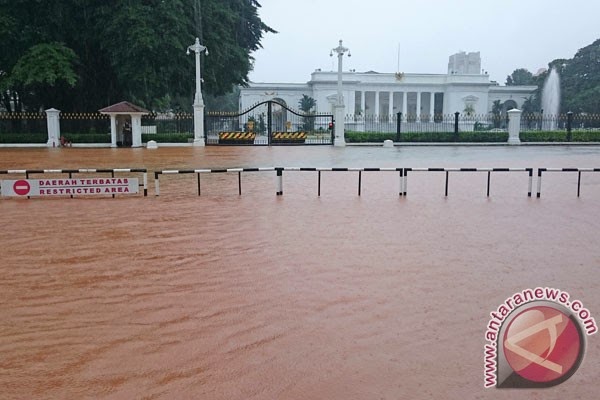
{"x":289,"y":137}
{"x":236,"y":137}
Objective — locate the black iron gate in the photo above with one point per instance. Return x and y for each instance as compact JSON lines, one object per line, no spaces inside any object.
{"x":269,"y":123}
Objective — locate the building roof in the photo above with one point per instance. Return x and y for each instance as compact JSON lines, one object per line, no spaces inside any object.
{"x":124,"y":107}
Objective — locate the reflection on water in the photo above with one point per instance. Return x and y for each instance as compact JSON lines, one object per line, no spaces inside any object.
{"x":293,"y":297}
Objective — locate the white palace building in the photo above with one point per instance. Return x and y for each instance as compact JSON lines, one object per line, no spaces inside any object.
{"x":466,"y":88}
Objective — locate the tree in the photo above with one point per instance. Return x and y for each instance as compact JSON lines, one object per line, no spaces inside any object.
{"x":124,"y":50}
{"x":307,"y":103}
{"x":497,"y":108}
{"x":44,"y":70}
{"x":531,"y":105}
{"x":520,"y":76}
{"x":227,"y":102}
{"x":580,"y":78}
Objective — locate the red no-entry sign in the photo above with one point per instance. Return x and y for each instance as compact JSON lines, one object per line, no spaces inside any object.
{"x":21,"y":187}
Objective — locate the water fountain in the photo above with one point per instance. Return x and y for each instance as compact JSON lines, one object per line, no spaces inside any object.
{"x":551,"y":101}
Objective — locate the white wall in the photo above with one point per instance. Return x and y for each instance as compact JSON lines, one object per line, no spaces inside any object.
{"x":457,"y":90}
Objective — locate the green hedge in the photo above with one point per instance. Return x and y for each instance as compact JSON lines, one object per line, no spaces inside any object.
{"x":167,"y":137}
{"x":427,"y":137}
{"x":87,"y":137}
{"x":365,"y":137}
{"x":585,"y":136}
{"x":24,"y":137}
{"x":559,"y":136}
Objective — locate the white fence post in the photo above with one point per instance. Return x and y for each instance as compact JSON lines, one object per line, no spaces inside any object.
{"x":52,"y":116}
{"x":514,"y":126}
{"x":338,"y":127}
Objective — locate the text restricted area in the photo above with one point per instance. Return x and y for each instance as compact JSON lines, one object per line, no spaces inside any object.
{"x":69,"y":187}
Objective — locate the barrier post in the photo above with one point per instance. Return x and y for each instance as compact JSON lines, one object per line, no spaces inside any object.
{"x":401,"y":173}
{"x":156,"y":184}
{"x":145,"y":184}
{"x":279,"y":181}
{"x":319,"y":185}
{"x":530,"y":181}
{"x":446,"y":193}
{"x":539,"y":188}
{"x":359,"y":181}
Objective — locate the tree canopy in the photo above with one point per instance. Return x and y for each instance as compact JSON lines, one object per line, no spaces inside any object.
{"x":82,"y":55}
{"x":579,"y":81}
{"x":520,"y":76}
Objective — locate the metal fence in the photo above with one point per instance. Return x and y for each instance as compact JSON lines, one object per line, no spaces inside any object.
{"x":273,"y":123}
{"x":269,"y":123}
{"x":168,"y":127}
{"x":457,"y":127}
{"x":85,"y":127}
{"x":23,"y":128}
{"x":569,"y":127}
{"x":425,"y":123}
{"x":427,"y":128}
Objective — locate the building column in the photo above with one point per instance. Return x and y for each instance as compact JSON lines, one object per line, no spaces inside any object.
{"x":404,"y":104}
{"x":432,"y":107}
{"x":418,"y":106}
{"x":113,"y":130}
{"x":136,"y":130}
{"x":363,"y":108}
{"x":376,"y":103}
{"x":391,"y":105}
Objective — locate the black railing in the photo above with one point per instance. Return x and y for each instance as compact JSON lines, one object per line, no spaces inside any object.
{"x":23,"y":128}
{"x":85,"y":127}
{"x":168,"y":127}
{"x":427,"y":128}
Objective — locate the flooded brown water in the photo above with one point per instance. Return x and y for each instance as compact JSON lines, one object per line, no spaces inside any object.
{"x":288,"y":297}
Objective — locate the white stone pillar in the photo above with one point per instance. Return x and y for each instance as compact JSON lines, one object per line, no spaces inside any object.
{"x":339,"y":138}
{"x":136,"y":131}
{"x":377,"y":104}
{"x":514,"y":126}
{"x":391,"y":105}
{"x":432,"y":107}
{"x":199,"y":124}
{"x":198,"y":100}
{"x":53,"y":121}
{"x":418,"y":106}
{"x":404,"y":104}
{"x":113,"y":130}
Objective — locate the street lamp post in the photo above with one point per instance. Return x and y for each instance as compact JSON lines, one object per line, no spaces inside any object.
{"x":339,"y":107}
{"x":198,"y":101}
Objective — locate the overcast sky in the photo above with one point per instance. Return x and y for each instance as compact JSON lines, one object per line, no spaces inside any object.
{"x":509,"y":34}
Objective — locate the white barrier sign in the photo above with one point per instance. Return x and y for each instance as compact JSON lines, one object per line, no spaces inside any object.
{"x":68,"y":187}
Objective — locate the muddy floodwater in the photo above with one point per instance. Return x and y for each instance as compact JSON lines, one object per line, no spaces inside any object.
{"x":299,"y":296}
